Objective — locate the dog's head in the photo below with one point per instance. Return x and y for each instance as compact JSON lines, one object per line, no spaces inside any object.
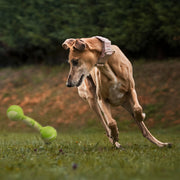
{"x":83,"y":55}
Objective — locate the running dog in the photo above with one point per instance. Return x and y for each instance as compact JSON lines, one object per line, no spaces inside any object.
{"x":104,"y":77}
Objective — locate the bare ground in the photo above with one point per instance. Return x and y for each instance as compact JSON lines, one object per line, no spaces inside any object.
{"x":41,"y":92}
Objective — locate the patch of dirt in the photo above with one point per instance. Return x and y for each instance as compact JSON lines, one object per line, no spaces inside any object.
{"x":42,"y":93}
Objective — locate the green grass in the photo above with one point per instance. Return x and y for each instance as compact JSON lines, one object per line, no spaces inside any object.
{"x":24,"y":156}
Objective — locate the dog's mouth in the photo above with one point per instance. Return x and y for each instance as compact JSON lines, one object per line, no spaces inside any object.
{"x":80,"y":80}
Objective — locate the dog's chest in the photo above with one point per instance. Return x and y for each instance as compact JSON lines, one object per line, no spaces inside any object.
{"x":108,"y":85}
{"x":115,"y":93}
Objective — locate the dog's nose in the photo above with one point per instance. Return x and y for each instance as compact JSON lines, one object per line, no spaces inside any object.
{"x":68,"y":84}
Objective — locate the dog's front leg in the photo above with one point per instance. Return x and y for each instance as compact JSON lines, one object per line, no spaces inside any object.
{"x":111,"y":123}
{"x":95,"y":107}
{"x":88,"y":92}
{"x":104,"y":108}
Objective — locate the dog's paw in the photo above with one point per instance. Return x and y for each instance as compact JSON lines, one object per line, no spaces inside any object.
{"x":118,"y":146}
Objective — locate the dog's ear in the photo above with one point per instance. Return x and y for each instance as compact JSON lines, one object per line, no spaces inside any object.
{"x":68,"y":43}
{"x":93,"y":44}
{"x":102,"y":46}
{"x":79,"y":45}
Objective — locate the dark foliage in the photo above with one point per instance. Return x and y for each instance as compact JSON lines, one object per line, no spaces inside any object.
{"x":32,"y":31}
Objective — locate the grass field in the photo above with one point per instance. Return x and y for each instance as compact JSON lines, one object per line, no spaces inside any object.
{"x":82,"y":151}
{"x":87,"y":154}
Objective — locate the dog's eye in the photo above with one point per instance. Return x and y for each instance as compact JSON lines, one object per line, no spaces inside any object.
{"x":74,"y":62}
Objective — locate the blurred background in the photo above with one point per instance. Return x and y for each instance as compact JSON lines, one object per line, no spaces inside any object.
{"x":34,"y":68}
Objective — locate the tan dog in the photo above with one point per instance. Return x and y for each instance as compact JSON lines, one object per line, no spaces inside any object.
{"x":104,"y":77}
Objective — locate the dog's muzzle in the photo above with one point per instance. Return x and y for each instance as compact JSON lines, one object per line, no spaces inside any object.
{"x":70,"y":84}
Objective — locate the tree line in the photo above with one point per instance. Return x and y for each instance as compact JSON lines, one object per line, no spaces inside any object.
{"x":32,"y":31}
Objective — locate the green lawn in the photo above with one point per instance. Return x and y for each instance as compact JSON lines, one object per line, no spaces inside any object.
{"x":88,"y":155}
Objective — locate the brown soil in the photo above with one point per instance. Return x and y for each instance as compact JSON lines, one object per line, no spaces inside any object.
{"x":41,"y":92}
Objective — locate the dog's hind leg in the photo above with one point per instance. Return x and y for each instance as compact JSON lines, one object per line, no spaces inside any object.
{"x":132,"y":105}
